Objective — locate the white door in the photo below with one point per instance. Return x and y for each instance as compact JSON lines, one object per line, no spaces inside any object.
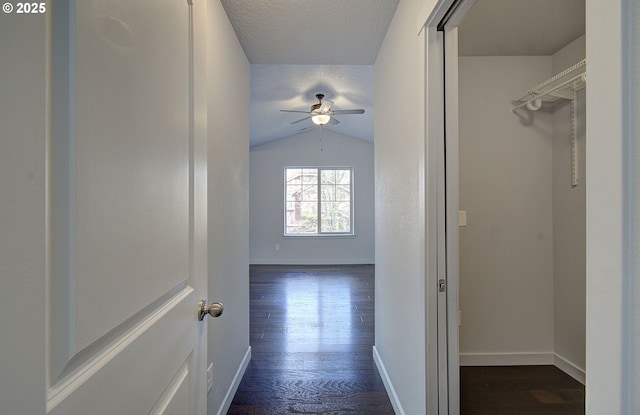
{"x":99,"y":105}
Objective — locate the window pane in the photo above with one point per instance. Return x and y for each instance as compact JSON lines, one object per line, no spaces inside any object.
{"x":310,"y":193}
{"x":343,"y":193}
{"x":343,"y":176}
{"x":293,"y":193}
{"x":310,"y":176}
{"x":328,"y":192}
{"x":294,"y":176}
{"x":302,"y":217}
{"x":336,"y":217}
{"x":328,"y":176}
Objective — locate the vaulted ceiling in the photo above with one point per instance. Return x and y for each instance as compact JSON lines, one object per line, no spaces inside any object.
{"x":299,"y":48}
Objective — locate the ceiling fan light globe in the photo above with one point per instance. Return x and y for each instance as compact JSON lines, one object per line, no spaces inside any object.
{"x":320,"y":119}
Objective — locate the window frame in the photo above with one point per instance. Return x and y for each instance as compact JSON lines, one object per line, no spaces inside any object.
{"x":319,"y":232}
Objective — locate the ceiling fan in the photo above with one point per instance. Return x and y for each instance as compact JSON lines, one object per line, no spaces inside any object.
{"x":321,"y":113}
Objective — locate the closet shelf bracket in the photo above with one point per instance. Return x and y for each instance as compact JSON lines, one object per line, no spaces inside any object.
{"x":564,"y":85}
{"x":560,"y":86}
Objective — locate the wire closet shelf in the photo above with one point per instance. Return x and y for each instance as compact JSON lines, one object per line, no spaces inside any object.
{"x":564,"y":85}
{"x":560,"y":86}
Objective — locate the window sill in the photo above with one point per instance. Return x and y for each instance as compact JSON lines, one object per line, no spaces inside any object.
{"x":321,"y":235}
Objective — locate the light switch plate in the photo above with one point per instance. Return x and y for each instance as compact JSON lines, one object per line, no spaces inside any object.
{"x":462,"y":218}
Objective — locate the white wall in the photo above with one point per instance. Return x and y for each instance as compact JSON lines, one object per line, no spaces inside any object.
{"x":399,"y":160}
{"x":633,"y":374}
{"x":569,"y":223}
{"x":506,"y":249}
{"x":23,"y":212}
{"x":266,"y":223}
{"x":228,"y":184}
{"x":611,"y":204}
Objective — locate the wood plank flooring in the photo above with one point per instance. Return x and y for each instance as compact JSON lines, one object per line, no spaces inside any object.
{"x":513,"y":390}
{"x":312,"y":332}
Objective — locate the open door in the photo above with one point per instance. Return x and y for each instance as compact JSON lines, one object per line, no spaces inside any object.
{"x":113,"y":235}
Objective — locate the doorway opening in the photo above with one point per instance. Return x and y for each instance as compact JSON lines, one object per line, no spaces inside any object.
{"x":515,"y":181}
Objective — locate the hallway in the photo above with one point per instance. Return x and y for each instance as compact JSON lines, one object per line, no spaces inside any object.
{"x":312,"y":332}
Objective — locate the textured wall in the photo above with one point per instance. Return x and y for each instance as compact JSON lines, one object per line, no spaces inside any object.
{"x":399,"y":156}
{"x":228,"y":149}
{"x":23,"y":211}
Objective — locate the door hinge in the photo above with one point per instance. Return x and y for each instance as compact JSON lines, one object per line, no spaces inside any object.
{"x":442,"y":285}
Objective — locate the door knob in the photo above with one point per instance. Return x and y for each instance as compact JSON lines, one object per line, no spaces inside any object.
{"x":213,"y":309}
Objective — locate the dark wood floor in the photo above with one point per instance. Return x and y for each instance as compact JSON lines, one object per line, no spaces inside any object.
{"x":512,"y":390}
{"x":312,"y":332}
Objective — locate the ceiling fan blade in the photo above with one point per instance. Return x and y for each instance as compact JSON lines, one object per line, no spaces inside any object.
{"x":358,"y":111}
{"x":307,"y":128}
{"x":334,"y":121}
{"x":304,"y":112}
{"x":301,"y":119}
{"x":325,"y":106}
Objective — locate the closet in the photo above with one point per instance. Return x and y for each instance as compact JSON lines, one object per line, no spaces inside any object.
{"x":522,"y":202}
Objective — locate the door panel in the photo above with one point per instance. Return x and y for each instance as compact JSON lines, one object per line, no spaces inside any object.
{"x":450,"y":170}
{"x":127,"y":224}
{"x":132,"y":152}
{"x":442,"y":227}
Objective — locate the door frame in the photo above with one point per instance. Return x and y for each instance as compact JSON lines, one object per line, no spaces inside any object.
{"x":441,"y":246}
{"x":610,"y":212}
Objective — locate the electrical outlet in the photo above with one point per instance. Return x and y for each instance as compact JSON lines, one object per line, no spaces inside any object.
{"x":209,"y":377}
{"x":277,"y":247}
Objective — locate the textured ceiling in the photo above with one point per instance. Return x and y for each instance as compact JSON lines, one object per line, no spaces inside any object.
{"x":299,"y":48}
{"x":303,"y":32}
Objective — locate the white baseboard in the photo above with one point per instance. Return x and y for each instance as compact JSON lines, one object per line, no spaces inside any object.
{"x":570,"y":368}
{"x":233,"y":388}
{"x":506,"y":359}
{"x":297,"y":261}
{"x":524,"y":359}
{"x":393,"y":397}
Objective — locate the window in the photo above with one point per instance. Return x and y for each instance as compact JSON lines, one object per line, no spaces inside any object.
{"x":318,"y":201}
